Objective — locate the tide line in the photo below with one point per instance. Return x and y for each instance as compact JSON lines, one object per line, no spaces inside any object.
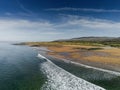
{"x":60,"y":79}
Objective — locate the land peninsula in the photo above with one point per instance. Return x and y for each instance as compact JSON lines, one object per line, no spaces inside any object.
{"x":102,"y":52}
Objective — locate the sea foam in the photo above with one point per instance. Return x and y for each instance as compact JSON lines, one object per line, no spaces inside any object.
{"x":59,"y":79}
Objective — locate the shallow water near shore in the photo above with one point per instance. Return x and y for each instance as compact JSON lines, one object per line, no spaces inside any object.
{"x":19,"y":68}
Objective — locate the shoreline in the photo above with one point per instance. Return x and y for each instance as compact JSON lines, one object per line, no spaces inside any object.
{"x":87,"y":66}
{"x":66,"y":82}
{"x":87,"y":63}
{"x":91,"y":75}
{"x":82,"y":62}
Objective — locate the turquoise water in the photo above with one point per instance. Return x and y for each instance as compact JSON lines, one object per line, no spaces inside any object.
{"x":19,"y":68}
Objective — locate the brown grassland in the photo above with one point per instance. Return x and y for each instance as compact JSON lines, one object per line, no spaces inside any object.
{"x":100,"y":56}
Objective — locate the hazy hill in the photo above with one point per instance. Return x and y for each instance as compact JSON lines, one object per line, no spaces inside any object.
{"x":109,"y":41}
{"x":93,"y":39}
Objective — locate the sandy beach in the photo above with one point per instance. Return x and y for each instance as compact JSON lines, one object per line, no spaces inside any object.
{"x":90,"y":73}
{"x":101,"y":57}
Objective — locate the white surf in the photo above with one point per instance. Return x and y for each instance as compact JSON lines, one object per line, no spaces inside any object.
{"x":59,"y":79}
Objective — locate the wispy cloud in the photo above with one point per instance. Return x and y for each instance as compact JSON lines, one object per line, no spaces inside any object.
{"x":86,"y":22}
{"x":17,"y":29}
{"x":83,"y":9}
{"x":73,"y":26}
{"x":8,"y":14}
{"x":24,"y":8}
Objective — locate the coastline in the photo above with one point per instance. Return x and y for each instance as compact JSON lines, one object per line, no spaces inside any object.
{"x":90,"y":74}
{"x":88,"y":66}
{"x":65,"y":80}
{"x":65,"y":57}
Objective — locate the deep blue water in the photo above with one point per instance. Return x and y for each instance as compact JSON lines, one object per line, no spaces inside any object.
{"x":19,"y":68}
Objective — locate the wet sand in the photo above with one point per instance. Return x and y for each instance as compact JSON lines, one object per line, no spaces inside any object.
{"x":104,"y":78}
{"x":60,"y":79}
{"x":107,"y":79}
{"x":106,"y":58}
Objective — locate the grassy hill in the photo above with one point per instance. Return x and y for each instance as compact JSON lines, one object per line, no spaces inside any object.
{"x":109,"y":41}
{"x":92,"y":41}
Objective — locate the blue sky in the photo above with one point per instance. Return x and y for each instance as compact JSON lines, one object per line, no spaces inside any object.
{"x":44,"y":20}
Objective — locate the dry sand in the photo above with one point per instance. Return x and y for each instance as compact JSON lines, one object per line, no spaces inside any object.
{"x":108,"y":58}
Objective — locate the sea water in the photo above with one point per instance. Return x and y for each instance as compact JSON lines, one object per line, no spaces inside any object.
{"x":19,"y":68}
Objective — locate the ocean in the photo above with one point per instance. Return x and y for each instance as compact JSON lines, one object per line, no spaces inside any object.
{"x":19,"y":68}
{"x":22,"y":68}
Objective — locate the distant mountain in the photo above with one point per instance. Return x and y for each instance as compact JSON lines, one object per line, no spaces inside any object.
{"x":92,"y":39}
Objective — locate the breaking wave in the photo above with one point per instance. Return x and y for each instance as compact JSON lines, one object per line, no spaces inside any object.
{"x":59,"y":79}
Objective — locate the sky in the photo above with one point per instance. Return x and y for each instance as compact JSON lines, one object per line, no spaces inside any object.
{"x":47,"y":20}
